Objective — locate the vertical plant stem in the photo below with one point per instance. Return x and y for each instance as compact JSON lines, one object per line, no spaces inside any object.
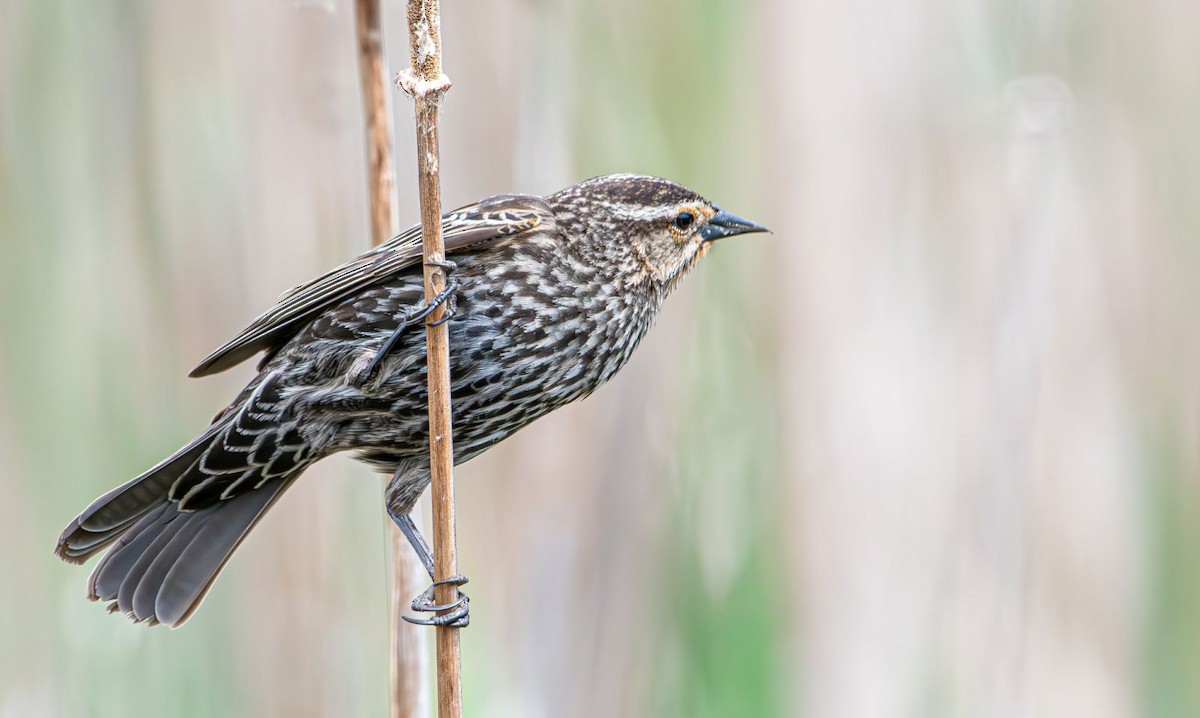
{"x":377,"y":112}
{"x":427,"y":85}
{"x":407,"y":669}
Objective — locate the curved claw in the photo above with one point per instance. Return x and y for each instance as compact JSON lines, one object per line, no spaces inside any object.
{"x":446,"y":265}
{"x":424,"y":603}
{"x":457,"y":619}
{"x":458,"y":616}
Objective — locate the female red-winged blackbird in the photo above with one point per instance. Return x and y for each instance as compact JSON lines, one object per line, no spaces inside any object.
{"x":550,"y":297}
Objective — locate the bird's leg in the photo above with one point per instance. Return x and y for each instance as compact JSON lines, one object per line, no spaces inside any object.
{"x":458,"y":616}
{"x":414,"y":316}
{"x":415,"y":539}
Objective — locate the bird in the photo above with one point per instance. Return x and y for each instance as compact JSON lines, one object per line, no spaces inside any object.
{"x":547,"y":298}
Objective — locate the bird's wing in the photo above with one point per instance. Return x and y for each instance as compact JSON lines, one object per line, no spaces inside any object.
{"x":465,"y":229}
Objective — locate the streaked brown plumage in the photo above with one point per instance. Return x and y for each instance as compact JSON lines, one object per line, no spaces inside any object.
{"x":553,"y":295}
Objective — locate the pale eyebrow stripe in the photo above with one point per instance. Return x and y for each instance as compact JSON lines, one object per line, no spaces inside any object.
{"x":634,"y":211}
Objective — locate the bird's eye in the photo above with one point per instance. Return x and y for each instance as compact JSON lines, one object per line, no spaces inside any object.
{"x":683,"y":220}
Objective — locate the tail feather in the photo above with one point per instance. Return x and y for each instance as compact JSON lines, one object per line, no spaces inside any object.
{"x":159,"y":534}
{"x":149,"y":583}
{"x":165,"y":551}
{"x":171,"y":559}
{"x":111,"y":515}
{"x":191,"y":575}
{"x":107,"y":576}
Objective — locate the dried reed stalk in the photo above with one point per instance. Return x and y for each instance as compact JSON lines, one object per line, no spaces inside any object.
{"x":407,"y":663}
{"x":427,"y":85}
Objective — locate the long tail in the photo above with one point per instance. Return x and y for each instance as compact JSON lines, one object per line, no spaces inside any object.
{"x":166,"y":553}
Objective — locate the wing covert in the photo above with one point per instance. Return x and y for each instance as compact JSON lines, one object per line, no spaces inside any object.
{"x":466,"y":229}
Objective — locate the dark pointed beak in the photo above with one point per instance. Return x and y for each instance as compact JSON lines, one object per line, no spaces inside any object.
{"x":727,"y":224}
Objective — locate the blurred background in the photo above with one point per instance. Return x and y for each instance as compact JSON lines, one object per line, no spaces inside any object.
{"x":931,"y":449}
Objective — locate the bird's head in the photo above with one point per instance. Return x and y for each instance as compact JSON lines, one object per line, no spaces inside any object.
{"x":658,"y":229}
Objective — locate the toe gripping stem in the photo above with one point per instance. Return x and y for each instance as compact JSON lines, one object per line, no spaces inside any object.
{"x":448,"y":295}
{"x":417,"y":314}
{"x":458,"y":612}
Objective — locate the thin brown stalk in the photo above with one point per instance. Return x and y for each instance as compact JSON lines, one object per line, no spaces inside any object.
{"x":407,"y":669}
{"x":427,"y":85}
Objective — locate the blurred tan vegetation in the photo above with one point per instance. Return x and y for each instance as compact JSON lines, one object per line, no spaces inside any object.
{"x":931,"y":449}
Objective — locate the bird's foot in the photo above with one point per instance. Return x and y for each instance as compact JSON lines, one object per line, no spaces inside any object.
{"x":420,"y":312}
{"x":457,"y":613}
{"x":411,"y":317}
{"x":452,"y":301}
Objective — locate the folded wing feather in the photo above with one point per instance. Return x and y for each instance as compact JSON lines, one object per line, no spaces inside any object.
{"x":465,"y":229}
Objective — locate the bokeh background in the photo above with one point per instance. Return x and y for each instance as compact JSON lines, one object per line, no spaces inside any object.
{"x":931,"y":449}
